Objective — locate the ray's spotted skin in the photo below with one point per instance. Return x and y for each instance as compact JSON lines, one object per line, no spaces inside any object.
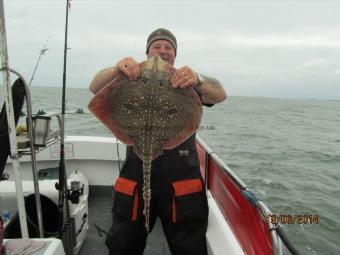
{"x":149,"y":114}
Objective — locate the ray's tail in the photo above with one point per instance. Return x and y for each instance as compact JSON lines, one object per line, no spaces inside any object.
{"x":146,"y":191}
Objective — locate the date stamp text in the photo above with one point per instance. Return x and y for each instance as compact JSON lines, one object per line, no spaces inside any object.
{"x":293,"y":219}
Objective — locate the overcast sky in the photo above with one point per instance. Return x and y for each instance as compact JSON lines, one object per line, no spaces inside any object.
{"x":255,"y":48}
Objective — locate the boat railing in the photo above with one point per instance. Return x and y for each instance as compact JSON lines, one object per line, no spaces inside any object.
{"x":37,"y":127}
{"x":7,"y":93}
{"x":244,"y":212}
{"x":29,"y":145}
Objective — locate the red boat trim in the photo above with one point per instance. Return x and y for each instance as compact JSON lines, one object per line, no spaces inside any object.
{"x":202,"y":159}
{"x":250,"y":229}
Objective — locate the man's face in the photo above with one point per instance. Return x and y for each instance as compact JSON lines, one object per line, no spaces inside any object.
{"x":164,"y":49}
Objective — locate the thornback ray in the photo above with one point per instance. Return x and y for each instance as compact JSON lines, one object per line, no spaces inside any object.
{"x":148,"y":114}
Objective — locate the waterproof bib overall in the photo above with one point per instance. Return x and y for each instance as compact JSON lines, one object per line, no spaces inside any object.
{"x":178,"y":198}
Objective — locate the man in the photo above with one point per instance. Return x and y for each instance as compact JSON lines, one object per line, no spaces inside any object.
{"x":178,"y":195}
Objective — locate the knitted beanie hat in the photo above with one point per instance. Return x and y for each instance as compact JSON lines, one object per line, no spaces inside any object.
{"x":161,"y":33}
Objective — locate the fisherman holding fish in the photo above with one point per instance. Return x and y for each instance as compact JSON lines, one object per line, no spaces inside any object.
{"x":178,"y":194}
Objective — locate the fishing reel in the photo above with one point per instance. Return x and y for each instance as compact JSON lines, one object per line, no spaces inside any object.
{"x":73,"y":194}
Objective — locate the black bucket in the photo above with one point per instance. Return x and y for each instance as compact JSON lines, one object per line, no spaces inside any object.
{"x":49,"y":215}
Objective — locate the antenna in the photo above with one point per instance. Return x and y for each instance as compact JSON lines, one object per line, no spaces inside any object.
{"x":42,"y":52}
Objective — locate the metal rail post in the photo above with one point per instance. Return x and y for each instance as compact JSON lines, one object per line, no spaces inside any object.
{"x":7,"y":92}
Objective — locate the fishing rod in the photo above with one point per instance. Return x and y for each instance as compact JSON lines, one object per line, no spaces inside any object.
{"x":62,"y":173}
{"x":42,"y":52}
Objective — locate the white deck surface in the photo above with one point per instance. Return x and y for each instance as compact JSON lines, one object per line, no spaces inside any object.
{"x":52,"y":246}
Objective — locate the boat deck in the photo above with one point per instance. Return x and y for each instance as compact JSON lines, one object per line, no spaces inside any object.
{"x":100,"y":218}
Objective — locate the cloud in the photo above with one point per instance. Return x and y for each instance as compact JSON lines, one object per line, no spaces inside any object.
{"x":315,"y":63}
{"x":253,"y":47}
{"x":266,"y":41}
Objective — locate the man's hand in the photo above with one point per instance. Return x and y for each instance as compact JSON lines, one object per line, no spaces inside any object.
{"x":184,"y":77}
{"x":129,"y":67}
